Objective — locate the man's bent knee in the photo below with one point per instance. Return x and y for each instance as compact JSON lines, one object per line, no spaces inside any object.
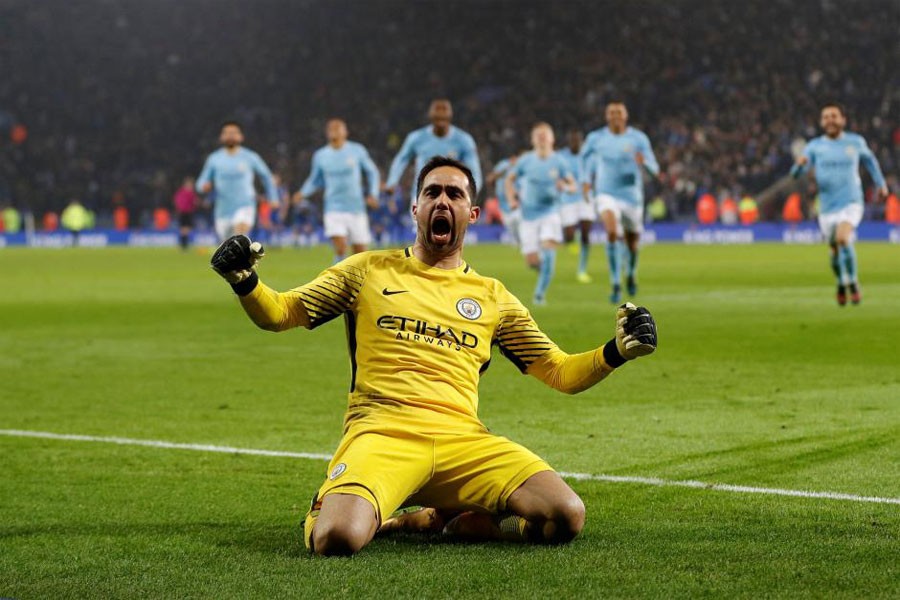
{"x":555,"y":512}
{"x":568,"y":521}
{"x":340,"y":539}
{"x":346,"y":523}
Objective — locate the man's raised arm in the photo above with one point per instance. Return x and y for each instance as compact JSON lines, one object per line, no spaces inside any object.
{"x":329,"y":295}
{"x":521,"y":341}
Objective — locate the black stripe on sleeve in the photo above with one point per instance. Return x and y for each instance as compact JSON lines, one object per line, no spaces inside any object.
{"x":350,"y":322}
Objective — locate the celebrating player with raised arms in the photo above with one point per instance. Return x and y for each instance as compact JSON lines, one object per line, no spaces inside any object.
{"x":440,"y":138}
{"x":542,"y":174}
{"x":835,"y":159}
{"x":338,"y":168}
{"x":228,"y":173}
{"x":421,"y":325}
{"x":577,"y":211}
{"x":613,"y":159}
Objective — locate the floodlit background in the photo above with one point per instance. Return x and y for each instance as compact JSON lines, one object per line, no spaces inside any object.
{"x":121,"y":366}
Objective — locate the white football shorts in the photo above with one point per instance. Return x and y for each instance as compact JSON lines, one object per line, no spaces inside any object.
{"x":242,"y":216}
{"x":828,"y":222}
{"x":573,"y":213}
{"x":534,"y":233}
{"x":512,"y":222}
{"x":353,"y":226}
{"x":629,"y":217}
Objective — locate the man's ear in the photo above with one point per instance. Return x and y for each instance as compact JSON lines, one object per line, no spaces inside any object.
{"x":473,"y":213}
{"x":415,"y":208}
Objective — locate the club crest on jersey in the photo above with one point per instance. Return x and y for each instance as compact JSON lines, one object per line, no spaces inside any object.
{"x":351,"y":162}
{"x":627,"y":148}
{"x":468,"y":308}
{"x":242,"y":168}
{"x":337,"y":471}
{"x":554,"y":173}
{"x":850,"y":151}
{"x":453,"y":154}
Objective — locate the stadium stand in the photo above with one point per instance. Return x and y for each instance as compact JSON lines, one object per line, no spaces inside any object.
{"x":129,"y":102}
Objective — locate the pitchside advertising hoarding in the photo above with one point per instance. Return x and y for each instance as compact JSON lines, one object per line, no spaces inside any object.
{"x":806,"y":233}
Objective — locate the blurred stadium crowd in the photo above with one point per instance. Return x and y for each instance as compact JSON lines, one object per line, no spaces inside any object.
{"x":116,"y":102}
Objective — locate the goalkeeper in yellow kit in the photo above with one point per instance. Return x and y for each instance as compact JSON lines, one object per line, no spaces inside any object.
{"x":421,"y":324}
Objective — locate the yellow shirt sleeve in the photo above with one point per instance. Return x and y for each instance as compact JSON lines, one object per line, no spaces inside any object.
{"x":522,"y":342}
{"x":329,"y":295}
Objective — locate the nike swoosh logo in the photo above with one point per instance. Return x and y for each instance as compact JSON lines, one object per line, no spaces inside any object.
{"x":388,"y":292}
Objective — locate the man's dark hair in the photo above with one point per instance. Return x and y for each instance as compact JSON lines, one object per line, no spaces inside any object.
{"x":228,"y":122}
{"x":841,"y":108}
{"x":446,"y":161}
{"x":616,"y":100}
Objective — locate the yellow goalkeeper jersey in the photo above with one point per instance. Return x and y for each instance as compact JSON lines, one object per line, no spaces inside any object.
{"x":420,"y":337}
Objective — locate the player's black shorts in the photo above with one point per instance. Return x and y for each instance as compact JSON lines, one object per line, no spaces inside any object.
{"x":186,"y":219}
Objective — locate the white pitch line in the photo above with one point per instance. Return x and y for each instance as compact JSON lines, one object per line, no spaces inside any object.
{"x":161,"y":444}
{"x":719,"y":487}
{"x":726,"y":487}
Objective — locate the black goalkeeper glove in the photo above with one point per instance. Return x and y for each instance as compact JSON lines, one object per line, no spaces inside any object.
{"x":236,"y":258}
{"x":635,"y":335}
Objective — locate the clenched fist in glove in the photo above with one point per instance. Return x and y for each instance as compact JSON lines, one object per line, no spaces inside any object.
{"x":236,"y":258}
{"x":635,"y":335}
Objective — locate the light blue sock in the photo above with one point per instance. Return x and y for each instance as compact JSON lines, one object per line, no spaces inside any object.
{"x":612,"y":256}
{"x":843,"y":275}
{"x":548,"y":266}
{"x":836,"y":264}
{"x":583,"y":253}
{"x":337,"y":258}
{"x":632,"y":258}
{"x":848,"y":259}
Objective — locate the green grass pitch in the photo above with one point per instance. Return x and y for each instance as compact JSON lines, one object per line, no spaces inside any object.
{"x":759,"y":380}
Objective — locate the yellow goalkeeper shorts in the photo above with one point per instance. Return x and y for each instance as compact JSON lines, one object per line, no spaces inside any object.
{"x":393,"y":467}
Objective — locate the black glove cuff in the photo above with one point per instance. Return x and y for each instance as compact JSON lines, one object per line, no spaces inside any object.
{"x":611,"y":354}
{"x":246,"y":286}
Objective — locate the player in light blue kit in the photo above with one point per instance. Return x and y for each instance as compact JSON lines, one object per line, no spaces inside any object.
{"x":438,"y":139}
{"x":577,"y":211}
{"x":543,"y":175}
{"x":613,"y":159}
{"x":835,"y":159}
{"x":338,"y":168}
{"x":511,"y":218}
{"x":228,"y":172}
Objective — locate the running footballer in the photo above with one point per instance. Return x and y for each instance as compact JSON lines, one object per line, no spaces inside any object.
{"x":421,"y":325}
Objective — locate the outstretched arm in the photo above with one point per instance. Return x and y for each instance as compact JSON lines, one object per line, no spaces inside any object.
{"x":803,"y":162}
{"x":329,"y":295}
{"x":572,"y":373}
{"x":265,"y":175}
{"x":646,"y":158}
{"x":867,"y":157}
{"x":406,"y":154}
{"x":204,"y":181}
{"x":271,"y":310}
{"x":521,"y":341}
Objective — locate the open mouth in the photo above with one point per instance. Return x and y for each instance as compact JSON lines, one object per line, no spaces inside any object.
{"x":441,"y":228}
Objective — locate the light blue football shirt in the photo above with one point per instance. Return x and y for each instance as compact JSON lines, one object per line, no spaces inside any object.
{"x":339,"y":172}
{"x":232,"y":179}
{"x":609,"y":164}
{"x":574,"y":162}
{"x":536,"y":178}
{"x":422,"y":144}
{"x":836,"y":164}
